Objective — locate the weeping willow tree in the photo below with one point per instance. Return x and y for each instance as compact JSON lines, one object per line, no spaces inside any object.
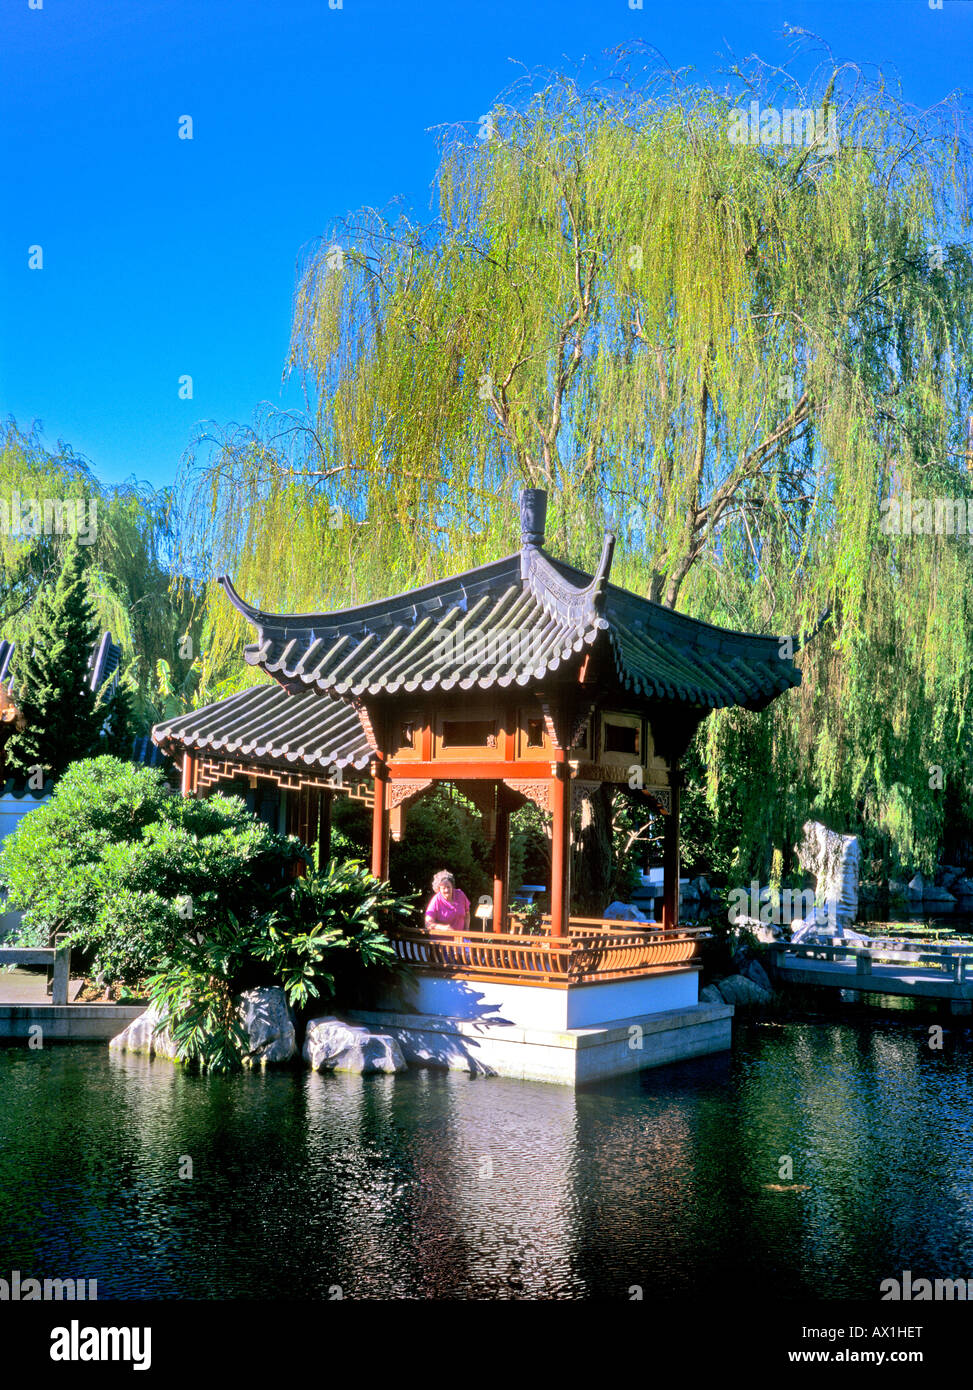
{"x":128,"y":533}
{"x":726,"y":323}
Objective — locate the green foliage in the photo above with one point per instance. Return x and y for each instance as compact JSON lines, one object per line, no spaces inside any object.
{"x":321,"y":937}
{"x":730,"y":351}
{"x":131,"y":531}
{"x":191,"y":895}
{"x":52,"y":679}
{"x":116,"y":860}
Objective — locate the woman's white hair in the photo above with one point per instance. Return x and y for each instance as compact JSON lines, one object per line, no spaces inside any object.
{"x":444,"y":876}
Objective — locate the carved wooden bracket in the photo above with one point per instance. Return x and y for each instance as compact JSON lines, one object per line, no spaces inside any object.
{"x":538,"y":792}
{"x":399,"y":792}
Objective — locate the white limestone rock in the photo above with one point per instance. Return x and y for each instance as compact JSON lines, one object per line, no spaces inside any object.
{"x":269,"y":1021}
{"x":916,"y":887}
{"x":835,"y":861}
{"x":146,"y":1035}
{"x":331,"y":1045}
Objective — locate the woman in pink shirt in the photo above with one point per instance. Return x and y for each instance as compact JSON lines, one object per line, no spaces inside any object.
{"x":449,"y":908}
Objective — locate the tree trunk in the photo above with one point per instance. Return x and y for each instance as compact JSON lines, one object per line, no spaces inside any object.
{"x":593,"y":866}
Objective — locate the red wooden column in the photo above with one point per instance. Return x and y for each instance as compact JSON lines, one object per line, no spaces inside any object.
{"x":501,"y":863}
{"x":380,"y":818}
{"x":560,"y":844}
{"x":188,"y":774}
{"x":670,"y":856}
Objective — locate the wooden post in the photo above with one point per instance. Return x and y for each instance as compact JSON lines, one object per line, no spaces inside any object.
{"x":324,"y":830}
{"x":560,"y":844}
{"x":188,"y":774}
{"x":670,"y":858}
{"x":380,"y":819}
{"x":501,"y":863}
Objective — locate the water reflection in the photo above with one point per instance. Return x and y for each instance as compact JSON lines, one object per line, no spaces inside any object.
{"x":815,"y":1160}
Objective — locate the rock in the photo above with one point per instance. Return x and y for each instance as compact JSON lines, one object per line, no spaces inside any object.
{"x":331,"y":1045}
{"x":963,"y":887}
{"x":946,"y":876}
{"x":688,"y":891}
{"x":754,"y":971}
{"x":897,"y":889}
{"x":269,"y":1021}
{"x":709,"y":994}
{"x":624,"y":912}
{"x":702,"y":887}
{"x":932,"y":894}
{"x":738,"y":989}
{"x":834,"y":861}
{"x":916,"y":887}
{"x":146,"y":1035}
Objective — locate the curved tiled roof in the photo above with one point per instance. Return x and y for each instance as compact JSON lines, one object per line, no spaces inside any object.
{"x":268,"y":724}
{"x":512,"y":623}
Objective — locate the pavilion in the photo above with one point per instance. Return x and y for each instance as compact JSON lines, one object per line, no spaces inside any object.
{"x":524,"y":679}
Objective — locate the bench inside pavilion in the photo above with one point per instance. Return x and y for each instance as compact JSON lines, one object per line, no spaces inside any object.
{"x":524,"y":679}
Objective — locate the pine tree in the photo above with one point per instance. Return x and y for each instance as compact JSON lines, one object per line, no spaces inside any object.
{"x":119,"y":731}
{"x":51,"y":677}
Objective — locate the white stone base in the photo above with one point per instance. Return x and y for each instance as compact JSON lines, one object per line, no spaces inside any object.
{"x":567,"y":1057}
{"x":548,"y":1007}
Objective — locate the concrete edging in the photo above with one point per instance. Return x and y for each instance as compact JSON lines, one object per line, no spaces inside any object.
{"x":67,"y":1022}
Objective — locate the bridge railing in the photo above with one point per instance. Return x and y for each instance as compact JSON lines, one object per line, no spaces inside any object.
{"x":60,"y":956}
{"x":952,"y":962}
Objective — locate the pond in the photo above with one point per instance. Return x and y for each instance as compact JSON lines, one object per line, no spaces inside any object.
{"x":430,"y":1185}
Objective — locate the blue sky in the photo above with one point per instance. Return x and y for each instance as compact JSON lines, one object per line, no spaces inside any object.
{"x":165,"y":257}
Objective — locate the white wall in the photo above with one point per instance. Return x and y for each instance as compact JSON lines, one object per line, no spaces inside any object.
{"x":534,"y":1006}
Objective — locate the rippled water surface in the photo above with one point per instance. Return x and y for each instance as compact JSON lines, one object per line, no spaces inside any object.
{"x":429,"y":1185}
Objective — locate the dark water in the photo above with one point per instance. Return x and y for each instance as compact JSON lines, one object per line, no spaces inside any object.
{"x":434,"y":1186}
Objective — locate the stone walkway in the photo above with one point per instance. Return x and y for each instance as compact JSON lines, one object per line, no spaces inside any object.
{"x":20,"y":986}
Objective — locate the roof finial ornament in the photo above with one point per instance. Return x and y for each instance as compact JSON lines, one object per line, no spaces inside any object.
{"x":533,"y":516}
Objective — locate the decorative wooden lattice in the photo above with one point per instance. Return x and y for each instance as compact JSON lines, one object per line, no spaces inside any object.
{"x":209,"y":771}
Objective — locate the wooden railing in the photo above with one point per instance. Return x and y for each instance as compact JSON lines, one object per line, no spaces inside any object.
{"x":594,"y":951}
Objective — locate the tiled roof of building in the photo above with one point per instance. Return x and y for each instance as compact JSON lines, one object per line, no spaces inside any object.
{"x":268,"y":724}
{"x":509,"y":624}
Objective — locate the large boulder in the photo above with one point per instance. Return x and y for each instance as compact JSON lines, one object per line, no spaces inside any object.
{"x":754,"y":971}
{"x":963,"y":887}
{"x":709,"y":994}
{"x":738,"y":989}
{"x":932,"y":894}
{"x":623,"y":912}
{"x":146,"y":1035}
{"x":916,"y":887}
{"x":331,"y":1045}
{"x":946,"y":876}
{"x":834,"y":861}
{"x":269,"y":1022}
